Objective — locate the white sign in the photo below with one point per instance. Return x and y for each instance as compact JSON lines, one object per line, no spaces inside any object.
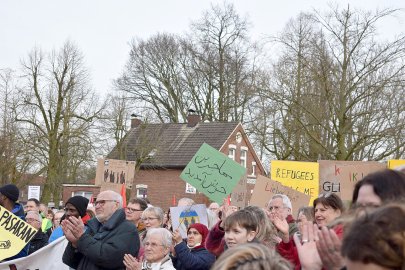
{"x":47,"y":258}
{"x":34,"y":192}
{"x":184,"y":216}
{"x":190,"y":189}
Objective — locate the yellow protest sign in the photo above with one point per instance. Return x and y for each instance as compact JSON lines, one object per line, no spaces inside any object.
{"x":394,"y":163}
{"x":301,"y":176}
{"x":15,"y":233}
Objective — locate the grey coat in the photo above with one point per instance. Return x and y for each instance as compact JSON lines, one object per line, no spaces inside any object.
{"x":103,"y":246}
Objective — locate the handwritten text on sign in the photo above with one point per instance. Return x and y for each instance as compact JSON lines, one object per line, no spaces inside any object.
{"x":301,"y":176}
{"x":212,"y":173}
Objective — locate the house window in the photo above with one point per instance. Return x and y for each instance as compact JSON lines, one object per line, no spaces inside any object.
{"x":232,"y":151}
{"x":253,"y":168}
{"x":85,"y":194}
{"x":243,"y":157}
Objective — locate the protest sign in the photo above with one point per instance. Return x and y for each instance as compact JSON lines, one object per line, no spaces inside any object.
{"x":265,"y":188}
{"x":350,"y":175}
{"x":301,"y":176}
{"x":330,"y":173}
{"x":184,"y":216}
{"x":34,"y":192}
{"x":238,"y":196}
{"x":15,"y":233}
{"x":114,"y":171}
{"x":46,"y":258}
{"x":395,"y":163}
{"x":212,"y":173}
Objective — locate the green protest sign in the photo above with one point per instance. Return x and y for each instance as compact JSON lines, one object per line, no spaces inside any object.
{"x":212,"y":173}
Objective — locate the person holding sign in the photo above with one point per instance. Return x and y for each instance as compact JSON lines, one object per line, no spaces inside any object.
{"x":193,"y":255}
{"x":8,"y":199}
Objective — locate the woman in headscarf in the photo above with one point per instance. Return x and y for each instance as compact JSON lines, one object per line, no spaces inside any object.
{"x":192,"y":255}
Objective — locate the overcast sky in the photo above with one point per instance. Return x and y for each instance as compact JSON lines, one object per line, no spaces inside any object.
{"x":103,"y":29}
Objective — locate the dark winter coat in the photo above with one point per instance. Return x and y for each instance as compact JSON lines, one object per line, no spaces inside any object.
{"x":195,"y":259}
{"x":103,"y":246}
{"x":39,"y":241}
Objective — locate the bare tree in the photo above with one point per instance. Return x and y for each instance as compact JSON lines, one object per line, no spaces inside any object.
{"x":58,"y":108}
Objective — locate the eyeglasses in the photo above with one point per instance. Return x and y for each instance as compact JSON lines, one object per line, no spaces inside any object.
{"x":149,"y":219}
{"x":193,"y":232}
{"x":152,"y":245}
{"x":102,"y":202}
{"x":275,"y":208}
{"x":31,"y":220}
{"x":131,"y":210}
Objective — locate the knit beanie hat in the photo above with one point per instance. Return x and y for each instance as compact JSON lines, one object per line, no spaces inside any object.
{"x":80,"y":203}
{"x":202,"y":229}
{"x":10,"y":191}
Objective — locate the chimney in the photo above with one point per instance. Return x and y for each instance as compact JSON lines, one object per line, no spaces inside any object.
{"x":193,"y":120}
{"x":135,"y":122}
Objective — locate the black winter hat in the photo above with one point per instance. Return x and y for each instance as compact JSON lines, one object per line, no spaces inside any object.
{"x":80,"y":203}
{"x":10,"y":191}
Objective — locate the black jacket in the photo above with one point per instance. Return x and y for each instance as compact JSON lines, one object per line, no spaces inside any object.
{"x":39,"y":241}
{"x":103,"y":246}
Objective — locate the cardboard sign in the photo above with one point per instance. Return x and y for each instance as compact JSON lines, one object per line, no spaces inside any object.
{"x":395,"y":163}
{"x":265,"y":188}
{"x":114,"y":171}
{"x":238,"y":196}
{"x":301,"y":176}
{"x":15,"y":233}
{"x":330,"y":173}
{"x":212,"y":173}
{"x":184,"y":216}
{"x":350,"y":175}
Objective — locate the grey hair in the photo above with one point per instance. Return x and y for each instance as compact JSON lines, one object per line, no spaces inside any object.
{"x":186,"y":201}
{"x":117,"y":197}
{"x":157,"y":211}
{"x":286,"y":200}
{"x":37,"y":214}
{"x":166,"y":236}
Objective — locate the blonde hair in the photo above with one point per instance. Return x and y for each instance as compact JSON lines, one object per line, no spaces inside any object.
{"x":251,"y":256}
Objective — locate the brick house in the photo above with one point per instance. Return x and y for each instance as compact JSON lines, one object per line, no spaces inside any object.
{"x":168,"y":148}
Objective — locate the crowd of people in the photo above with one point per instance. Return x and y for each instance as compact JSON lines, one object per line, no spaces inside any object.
{"x":368,"y":233}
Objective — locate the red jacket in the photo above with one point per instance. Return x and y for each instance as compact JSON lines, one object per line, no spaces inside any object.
{"x":215,"y":242}
{"x":289,"y":250}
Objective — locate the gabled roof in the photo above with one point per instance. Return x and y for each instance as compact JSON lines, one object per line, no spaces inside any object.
{"x":173,"y":144}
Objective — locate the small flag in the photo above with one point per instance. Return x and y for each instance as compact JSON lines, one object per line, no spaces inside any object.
{"x":124,"y":195}
{"x":174,"y":200}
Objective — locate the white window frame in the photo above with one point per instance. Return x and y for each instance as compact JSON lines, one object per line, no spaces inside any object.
{"x":232,"y":151}
{"x":253,"y":168}
{"x":243,"y":157}
{"x":83,"y":193}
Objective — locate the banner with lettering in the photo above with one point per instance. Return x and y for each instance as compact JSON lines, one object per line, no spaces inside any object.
{"x":184,"y":216}
{"x":350,"y":175}
{"x":330,"y":173}
{"x":212,"y":173}
{"x":46,"y":258}
{"x":265,"y":188}
{"x":15,"y":233}
{"x":301,"y":176}
{"x":238,"y":196}
{"x":115,"y":172}
{"x":395,"y":163}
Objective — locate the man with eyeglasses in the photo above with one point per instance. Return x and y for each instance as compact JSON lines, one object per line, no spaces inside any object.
{"x":75,"y":206}
{"x":280,"y":209}
{"x":133,"y":213}
{"x":108,"y":236}
{"x":40,"y":239}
